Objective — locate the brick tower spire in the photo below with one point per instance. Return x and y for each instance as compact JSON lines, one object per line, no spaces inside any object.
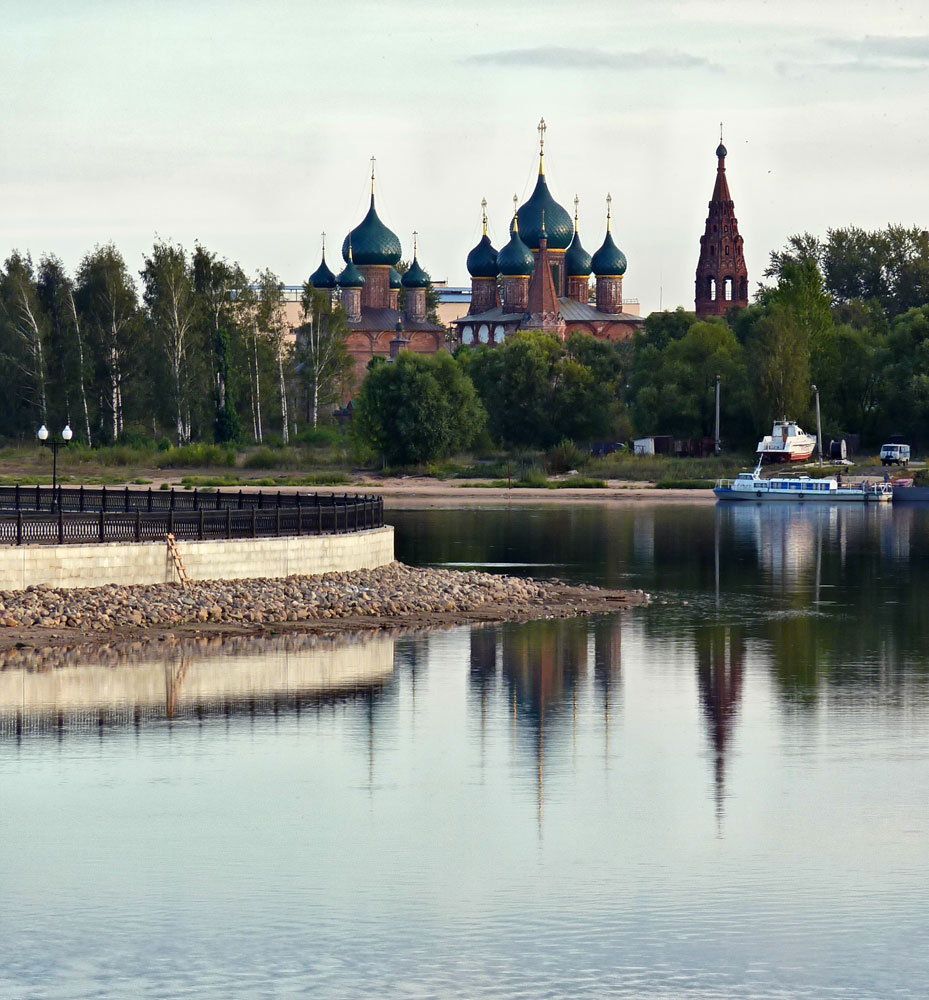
{"x":722,"y":278}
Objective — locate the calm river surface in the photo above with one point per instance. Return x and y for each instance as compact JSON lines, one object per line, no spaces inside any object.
{"x":725,"y":794}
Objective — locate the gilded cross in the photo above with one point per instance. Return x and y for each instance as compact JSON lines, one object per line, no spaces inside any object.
{"x":541,"y":129}
{"x":415,"y":235}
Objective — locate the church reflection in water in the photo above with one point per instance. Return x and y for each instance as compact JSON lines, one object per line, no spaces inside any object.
{"x":543,"y":669}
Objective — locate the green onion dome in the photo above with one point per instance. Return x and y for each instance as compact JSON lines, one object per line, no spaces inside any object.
{"x":515,"y":260}
{"x":351,"y":277}
{"x":556,"y":223}
{"x":371,"y":241}
{"x":322,"y":277}
{"x":609,"y":261}
{"x":721,"y":150}
{"x":482,"y":260}
{"x":395,"y":281}
{"x":577,"y":261}
{"x":416,"y":277}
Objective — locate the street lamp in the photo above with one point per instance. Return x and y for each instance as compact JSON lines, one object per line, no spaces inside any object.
{"x":66,"y":436}
{"x":819,"y":427}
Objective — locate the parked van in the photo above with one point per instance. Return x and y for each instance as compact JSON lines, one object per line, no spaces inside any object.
{"x":895,"y":454}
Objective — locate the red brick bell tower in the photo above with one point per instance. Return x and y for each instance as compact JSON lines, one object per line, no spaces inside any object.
{"x":722,"y":278}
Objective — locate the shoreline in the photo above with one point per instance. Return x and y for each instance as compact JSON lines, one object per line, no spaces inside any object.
{"x":340,"y":603}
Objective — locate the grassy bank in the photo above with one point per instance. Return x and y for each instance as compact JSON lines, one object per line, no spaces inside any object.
{"x":326,"y":458}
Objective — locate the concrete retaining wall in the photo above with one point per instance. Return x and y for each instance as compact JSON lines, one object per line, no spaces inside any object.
{"x":129,"y":563}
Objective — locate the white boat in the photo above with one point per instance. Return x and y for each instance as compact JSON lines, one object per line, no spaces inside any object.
{"x":786,"y":443}
{"x":750,"y":486}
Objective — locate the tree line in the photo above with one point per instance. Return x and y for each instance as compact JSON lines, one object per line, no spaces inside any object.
{"x":190,"y":348}
{"x":848,"y":313}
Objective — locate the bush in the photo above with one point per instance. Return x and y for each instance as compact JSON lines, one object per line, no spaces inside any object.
{"x":193,"y":455}
{"x":321,"y":435}
{"x":565,"y":456}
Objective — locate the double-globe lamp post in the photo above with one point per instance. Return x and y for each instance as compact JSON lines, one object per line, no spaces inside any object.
{"x":66,"y":436}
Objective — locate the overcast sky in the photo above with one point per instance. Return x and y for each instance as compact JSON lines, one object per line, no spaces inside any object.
{"x":249,"y":125}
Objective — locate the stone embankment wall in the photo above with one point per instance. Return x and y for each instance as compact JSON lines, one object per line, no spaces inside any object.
{"x":128,"y":563}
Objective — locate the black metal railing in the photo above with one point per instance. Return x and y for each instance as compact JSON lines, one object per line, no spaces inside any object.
{"x":31,"y":515}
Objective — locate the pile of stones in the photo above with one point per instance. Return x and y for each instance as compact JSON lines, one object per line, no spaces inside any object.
{"x":391,"y":592}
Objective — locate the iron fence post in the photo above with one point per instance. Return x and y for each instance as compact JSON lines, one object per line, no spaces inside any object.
{"x":228,"y":522}
{"x":80,"y":499}
{"x":138,"y":525}
{"x":61,"y":526}
{"x":200,"y":525}
{"x":254,"y":515}
{"x":101,"y":524}
{"x":19,"y":527}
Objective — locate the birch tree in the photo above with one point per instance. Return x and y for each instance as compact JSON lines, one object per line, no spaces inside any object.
{"x":271,"y":322}
{"x":171,"y":305}
{"x":26,"y":320}
{"x":56,"y":292}
{"x":106,"y":298}
{"x":323,"y":361}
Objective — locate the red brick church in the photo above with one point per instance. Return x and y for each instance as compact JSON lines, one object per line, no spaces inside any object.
{"x":540,"y":280}
{"x":369,"y":286}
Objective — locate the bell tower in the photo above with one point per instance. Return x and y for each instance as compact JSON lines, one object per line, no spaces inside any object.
{"x":722,"y":278}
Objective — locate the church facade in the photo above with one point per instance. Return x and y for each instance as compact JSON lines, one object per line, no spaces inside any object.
{"x":540,"y":280}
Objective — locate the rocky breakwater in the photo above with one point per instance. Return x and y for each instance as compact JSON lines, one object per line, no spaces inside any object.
{"x":389,"y":595}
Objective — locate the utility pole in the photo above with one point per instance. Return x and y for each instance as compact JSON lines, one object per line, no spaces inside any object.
{"x":718,"y":447}
{"x":819,"y":429}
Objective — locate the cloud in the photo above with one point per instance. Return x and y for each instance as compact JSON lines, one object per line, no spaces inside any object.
{"x":566,"y":57}
{"x":882,"y":53}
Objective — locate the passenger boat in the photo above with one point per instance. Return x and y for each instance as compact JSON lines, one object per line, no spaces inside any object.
{"x":750,"y":486}
{"x":786,"y":443}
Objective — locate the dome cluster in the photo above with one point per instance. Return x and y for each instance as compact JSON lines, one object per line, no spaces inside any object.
{"x":370,"y":244}
{"x":542,"y":217}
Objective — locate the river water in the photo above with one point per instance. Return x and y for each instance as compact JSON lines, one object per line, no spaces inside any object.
{"x":724,"y":794}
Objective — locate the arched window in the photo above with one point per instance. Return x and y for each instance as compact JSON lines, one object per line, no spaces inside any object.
{"x":467,"y":335}
{"x":499,"y":333}
{"x":727,"y":251}
{"x":484,"y":333}
{"x":715,"y":227}
{"x":727,"y":289}
{"x":743,"y":289}
{"x":711,"y":289}
{"x":712,"y":251}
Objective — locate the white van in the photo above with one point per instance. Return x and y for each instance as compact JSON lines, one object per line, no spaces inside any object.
{"x":895,"y":454}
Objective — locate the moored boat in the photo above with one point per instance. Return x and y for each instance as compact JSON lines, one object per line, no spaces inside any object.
{"x":750,"y":486}
{"x":786,"y":443}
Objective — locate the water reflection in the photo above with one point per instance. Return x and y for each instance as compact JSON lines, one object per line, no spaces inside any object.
{"x":51,"y":691}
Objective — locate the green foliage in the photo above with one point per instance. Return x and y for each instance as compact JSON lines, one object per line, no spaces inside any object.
{"x":673,"y":389}
{"x":565,"y":456}
{"x":195,"y":455}
{"x":417,"y":409}
{"x":538,"y":390}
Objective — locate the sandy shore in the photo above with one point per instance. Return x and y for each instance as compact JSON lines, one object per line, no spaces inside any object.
{"x":419,"y":492}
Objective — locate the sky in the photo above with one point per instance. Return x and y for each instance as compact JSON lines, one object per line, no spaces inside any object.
{"x":249,"y":126}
